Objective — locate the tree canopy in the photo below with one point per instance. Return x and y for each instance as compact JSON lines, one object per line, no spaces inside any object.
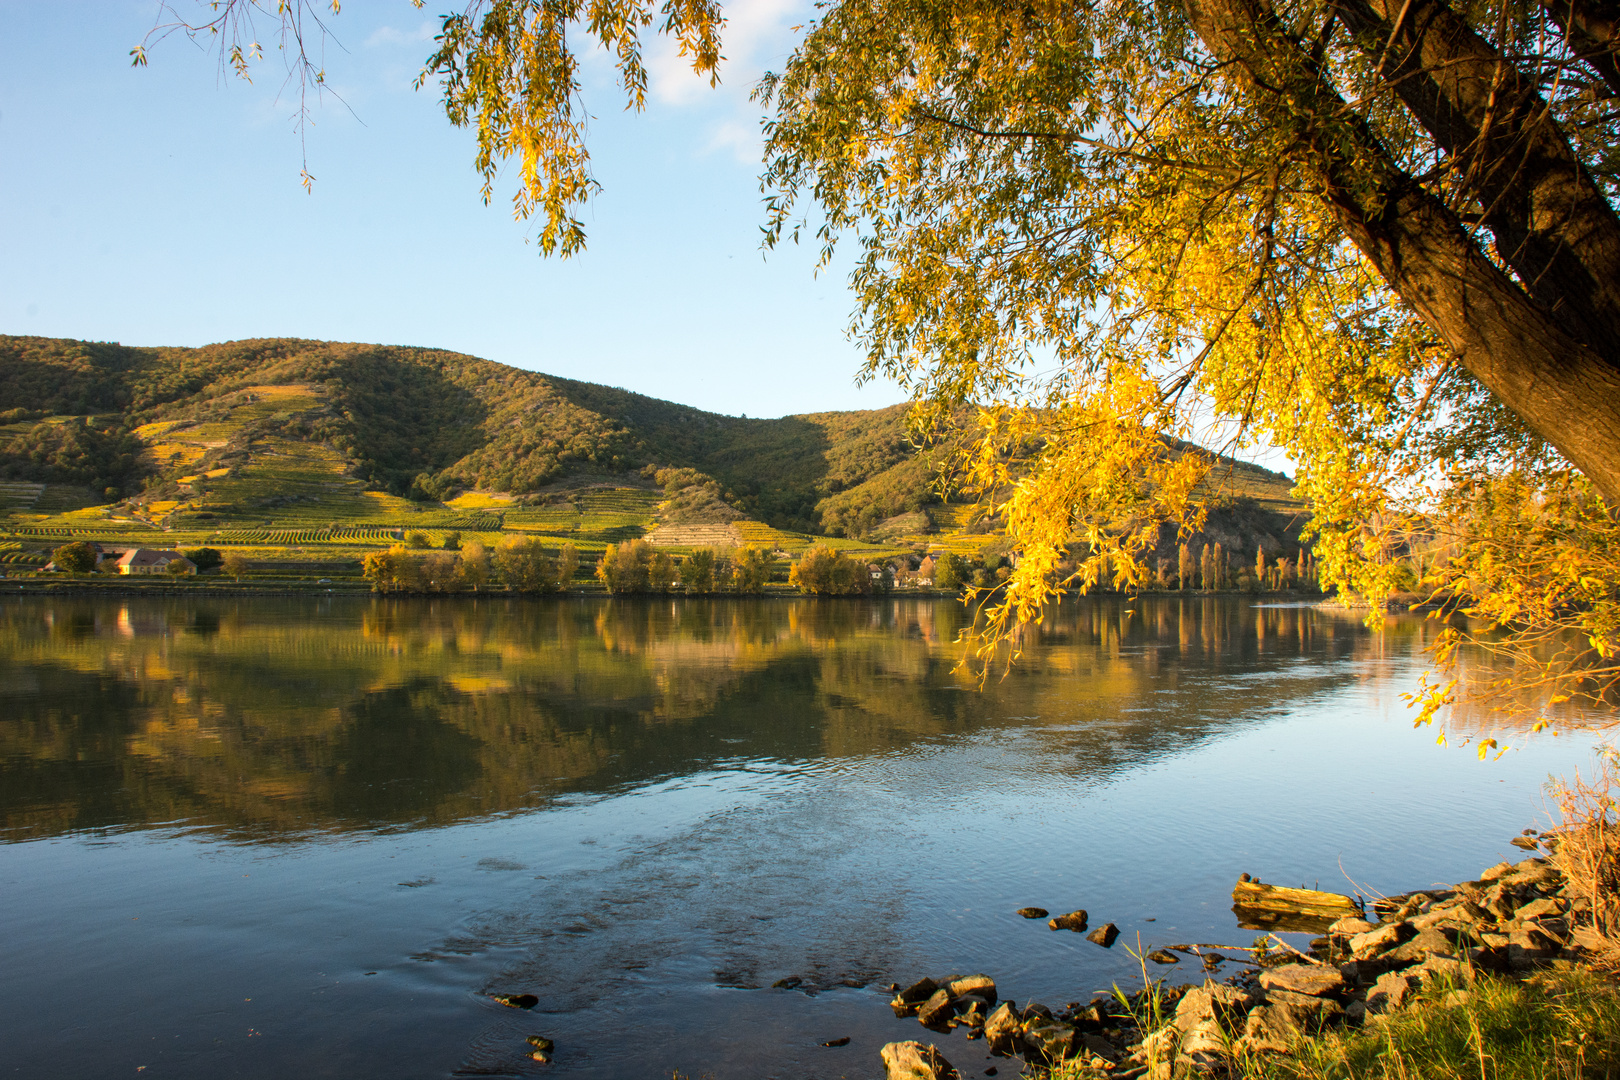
{"x":1381,"y":236}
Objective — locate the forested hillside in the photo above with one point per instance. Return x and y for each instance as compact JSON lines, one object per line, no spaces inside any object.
{"x":427,"y":424}
{"x":225,"y":434}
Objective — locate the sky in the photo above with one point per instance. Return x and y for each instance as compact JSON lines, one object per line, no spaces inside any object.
{"x":161,"y":205}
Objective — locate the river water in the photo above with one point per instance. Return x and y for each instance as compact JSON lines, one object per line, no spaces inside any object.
{"x":308,"y":837}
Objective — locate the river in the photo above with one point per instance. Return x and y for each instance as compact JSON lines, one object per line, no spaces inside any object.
{"x":308,"y":836}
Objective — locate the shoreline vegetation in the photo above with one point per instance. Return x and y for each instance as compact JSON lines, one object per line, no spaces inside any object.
{"x":520,"y":566}
{"x":1512,"y":976}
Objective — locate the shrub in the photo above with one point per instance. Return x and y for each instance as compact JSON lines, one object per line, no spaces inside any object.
{"x":75,"y":558}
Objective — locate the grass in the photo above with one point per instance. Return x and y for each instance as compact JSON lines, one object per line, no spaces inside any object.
{"x":1560,"y":1024}
{"x":1563,"y":1024}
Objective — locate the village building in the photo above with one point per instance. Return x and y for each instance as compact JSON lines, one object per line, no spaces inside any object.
{"x":149,"y":561}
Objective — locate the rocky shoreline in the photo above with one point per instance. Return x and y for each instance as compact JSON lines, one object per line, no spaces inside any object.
{"x":1511,"y":922}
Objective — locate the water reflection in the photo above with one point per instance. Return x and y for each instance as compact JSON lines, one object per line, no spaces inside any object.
{"x":274,"y":719}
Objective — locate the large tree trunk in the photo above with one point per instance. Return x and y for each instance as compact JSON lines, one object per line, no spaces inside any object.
{"x":1564,"y":387}
{"x":1551,"y":223}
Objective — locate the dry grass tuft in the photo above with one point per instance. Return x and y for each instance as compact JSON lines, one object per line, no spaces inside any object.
{"x":1586,"y":847}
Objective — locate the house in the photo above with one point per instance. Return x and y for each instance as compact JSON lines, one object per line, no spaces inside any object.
{"x":148,"y":561}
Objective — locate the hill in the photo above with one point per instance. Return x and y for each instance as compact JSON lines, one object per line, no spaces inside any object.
{"x":286,"y":443}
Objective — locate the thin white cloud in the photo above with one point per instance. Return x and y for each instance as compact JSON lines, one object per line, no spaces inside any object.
{"x":388,"y":36}
{"x":757,"y":34}
{"x":742,"y":139}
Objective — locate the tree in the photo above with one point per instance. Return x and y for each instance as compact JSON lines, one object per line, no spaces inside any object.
{"x":825,"y":571}
{"x":235,"y":565}
{"x":472,"y":565}
{"x":452,"y":541}
{"x":1381,"y":236}
{"x":391,"y":570}
{"x":661,"y":572}
{"x":950,"y":571}
{"x":567,"y":565}
{"x":416,"y":538}
{"x":204,"y":558}
{"x":624,"y":568}
{"x":525,"y":565}
{"x":437,"y":572}
{"x":697,"y":571}
{"x":75,"y":558}
{"x":751,"y":570}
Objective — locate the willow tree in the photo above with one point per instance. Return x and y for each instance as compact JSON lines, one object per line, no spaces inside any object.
{"x":1378,"y":234}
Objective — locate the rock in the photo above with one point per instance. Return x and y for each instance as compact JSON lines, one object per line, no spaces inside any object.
{"x":1532,"y":943}
{"x":516,"y":1001}
{"x":1032,"y":912}
{"x":540,"y":1042}
{"x":1384,"y":938}
{"x":1389,"y":992}
{"x":1102,"y":1048}
{"x":1534,"y":872}
{"x":1035,"y":1011}
{"x":1203,"y":1045}
{"x":1160,"y":1049}
{"x":1163,"y":956}
{"x":1350,"y":926}
{"x":842,"y":1040}
{"x":1050,"y":1040}
{"x":1501,"y":900}
{"x":1355,"y":1012}
{"x":1501,"y":869}
{"x":938,"y":1009}
{"x":1074,"y":920}
{"x":1003,"y":1028}
{"x":906,"y":1001}
{"x":982,"y":986}
{"x":1212,"y":1001}
{"x":1104,"y":935}
{"x":1537,"y":909}
{"x":1427,"y":943}
{"x":1439,"y":967}
{"x":915,"y":1061}
{"x":1268,"y":1030}
{"x":1313,"y":979}
{"x":1525,"y":842}
{"x":788,"y":983}
{"x":1304,"y":1012}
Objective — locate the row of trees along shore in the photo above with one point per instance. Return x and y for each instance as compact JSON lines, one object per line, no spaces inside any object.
{"x":527,"y":565}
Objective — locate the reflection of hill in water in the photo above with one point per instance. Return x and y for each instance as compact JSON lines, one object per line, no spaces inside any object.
{"x":270,"y":718}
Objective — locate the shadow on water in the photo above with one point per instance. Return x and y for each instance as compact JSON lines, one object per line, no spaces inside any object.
{"x":272,"y":719}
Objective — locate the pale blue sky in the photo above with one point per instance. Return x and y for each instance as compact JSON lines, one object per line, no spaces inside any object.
{"x":161,"y":206}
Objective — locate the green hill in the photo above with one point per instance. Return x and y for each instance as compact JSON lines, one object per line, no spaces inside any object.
{"x":284,"y":443}
{"x":423,"y":423}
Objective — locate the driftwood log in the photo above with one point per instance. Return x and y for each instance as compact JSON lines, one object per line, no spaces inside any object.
{"x":1275,"y":907}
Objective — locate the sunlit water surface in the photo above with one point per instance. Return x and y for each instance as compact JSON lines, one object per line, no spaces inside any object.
{"x":307,"y":837}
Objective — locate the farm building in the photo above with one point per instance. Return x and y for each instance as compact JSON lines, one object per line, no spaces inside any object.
{"x":148,"y":561}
